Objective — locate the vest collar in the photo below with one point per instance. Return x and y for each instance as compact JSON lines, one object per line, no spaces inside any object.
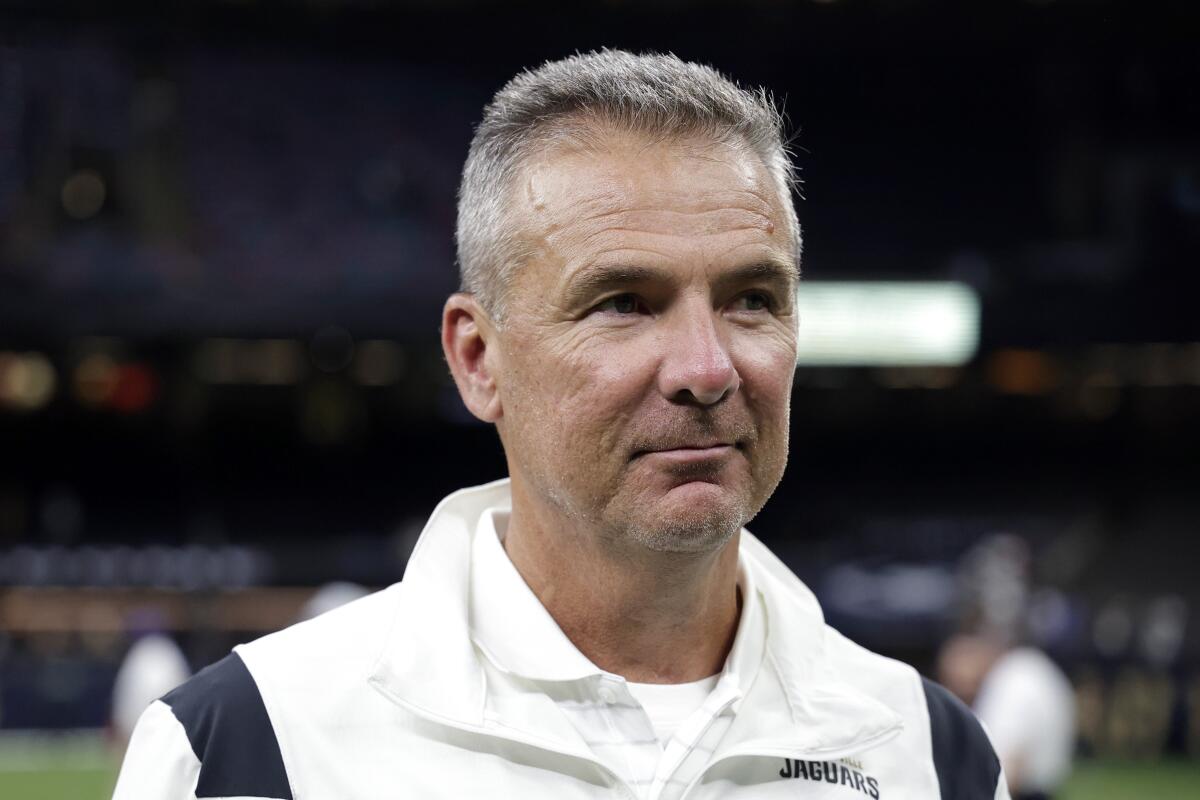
{"x":827,"y":713}
{"x":430,"y":665}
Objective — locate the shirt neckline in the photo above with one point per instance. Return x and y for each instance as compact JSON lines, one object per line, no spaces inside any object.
{"x":518,"y":635}
{"x":704,"y":685}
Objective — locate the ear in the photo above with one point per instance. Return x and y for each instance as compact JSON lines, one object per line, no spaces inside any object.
{"x":467,"y":332}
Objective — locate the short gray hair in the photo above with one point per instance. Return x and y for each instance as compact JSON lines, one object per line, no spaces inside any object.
{"x":652,"y":93}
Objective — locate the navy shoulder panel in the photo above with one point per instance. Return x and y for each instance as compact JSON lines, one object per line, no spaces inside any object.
{"x":226,"y":722}
{"x":967,"y":767}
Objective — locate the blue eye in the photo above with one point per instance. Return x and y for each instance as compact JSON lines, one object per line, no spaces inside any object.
{"x":620,"y":304}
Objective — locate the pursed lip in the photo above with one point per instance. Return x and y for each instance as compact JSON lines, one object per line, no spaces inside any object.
{"x":691,"y":451}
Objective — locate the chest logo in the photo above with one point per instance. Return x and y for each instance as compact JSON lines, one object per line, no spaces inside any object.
{"x":845,"y":773}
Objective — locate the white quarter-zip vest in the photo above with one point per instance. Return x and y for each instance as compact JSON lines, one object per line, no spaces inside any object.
{"x":389,"y":697}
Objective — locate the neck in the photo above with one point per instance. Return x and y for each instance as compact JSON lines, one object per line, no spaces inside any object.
{"x":649,"y":616}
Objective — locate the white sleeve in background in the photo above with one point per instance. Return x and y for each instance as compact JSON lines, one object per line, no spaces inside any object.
{"x":1028,"y":708}
{"x":159,"y":764}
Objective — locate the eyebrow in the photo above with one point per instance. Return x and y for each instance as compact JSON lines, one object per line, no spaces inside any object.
{"x":592,"y":281}
{"x":589,"y":282}
{"x":773,"y":271}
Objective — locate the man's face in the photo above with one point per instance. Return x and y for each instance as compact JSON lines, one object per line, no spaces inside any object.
{"x":645,"y":364}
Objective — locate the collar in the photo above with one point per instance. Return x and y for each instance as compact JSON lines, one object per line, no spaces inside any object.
{"x":507,"y":621}
{"x":518,"y":635}
{"x":828,"y":714}
{"x":430,"y":664}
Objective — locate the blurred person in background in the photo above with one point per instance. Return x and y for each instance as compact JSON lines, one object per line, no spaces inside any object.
{"x":330,"y":596}
{"x":153,"y":666}
{"x":1025,"y":702}
{"x":600,"y":622}
{"x":1022,"y":697}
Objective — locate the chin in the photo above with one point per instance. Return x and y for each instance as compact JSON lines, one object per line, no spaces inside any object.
{"x":693,"y":518}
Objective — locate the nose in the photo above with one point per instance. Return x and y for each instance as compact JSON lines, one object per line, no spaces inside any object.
{"x":696,"y":367}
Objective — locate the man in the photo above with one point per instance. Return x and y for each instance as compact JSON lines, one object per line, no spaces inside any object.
{"x":599,"y":624}
{"x":1027,"y":703}
{"x":153,"y":666}
{"x":1016,"y":690}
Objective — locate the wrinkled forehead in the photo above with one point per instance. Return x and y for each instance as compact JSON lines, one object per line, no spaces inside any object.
{"x":689,"y":184}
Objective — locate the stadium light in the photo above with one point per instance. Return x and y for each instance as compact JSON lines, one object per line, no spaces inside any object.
{"x":881,"y":323}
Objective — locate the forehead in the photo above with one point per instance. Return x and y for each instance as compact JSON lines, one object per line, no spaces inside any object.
{"x":664,"y":198}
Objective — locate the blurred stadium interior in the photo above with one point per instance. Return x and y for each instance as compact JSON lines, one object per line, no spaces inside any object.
{"x":225,"y":236}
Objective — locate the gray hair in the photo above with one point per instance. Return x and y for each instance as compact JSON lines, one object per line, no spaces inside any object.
{"x":652,"y":94}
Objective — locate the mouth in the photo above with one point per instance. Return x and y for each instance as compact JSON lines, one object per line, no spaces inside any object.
{"x":686,"y":452}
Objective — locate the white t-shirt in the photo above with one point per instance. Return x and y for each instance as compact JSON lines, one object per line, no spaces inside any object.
{"x":669,"y":704}
{"x":1028,"y":707}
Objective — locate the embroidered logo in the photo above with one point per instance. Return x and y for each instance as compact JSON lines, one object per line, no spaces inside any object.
{"x":847,"y":772}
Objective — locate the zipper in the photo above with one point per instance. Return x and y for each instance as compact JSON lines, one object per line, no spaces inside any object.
{"x":748,"y":749}
{"x":829,"y":754}
{"x":699,"y":737}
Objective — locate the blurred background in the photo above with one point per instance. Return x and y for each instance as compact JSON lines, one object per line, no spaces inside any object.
{"x":226,"y":232}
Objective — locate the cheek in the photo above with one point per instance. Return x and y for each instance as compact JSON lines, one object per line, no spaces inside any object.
{"x":767,"y":369}
{"x":767,"y":374}
{"x":576,"y":400}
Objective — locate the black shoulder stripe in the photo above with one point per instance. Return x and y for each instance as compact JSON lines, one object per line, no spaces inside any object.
{"x":967,"y":767}
{"x":226,"y":722}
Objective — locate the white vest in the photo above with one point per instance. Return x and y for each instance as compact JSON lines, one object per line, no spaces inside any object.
{"x":387,"y":697}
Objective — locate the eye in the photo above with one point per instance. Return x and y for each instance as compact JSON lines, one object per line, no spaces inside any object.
{"x":620,"y":304}
{"x":755,"y":301}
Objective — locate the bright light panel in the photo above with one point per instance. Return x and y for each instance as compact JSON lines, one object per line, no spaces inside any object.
{"x":877,"y":323}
